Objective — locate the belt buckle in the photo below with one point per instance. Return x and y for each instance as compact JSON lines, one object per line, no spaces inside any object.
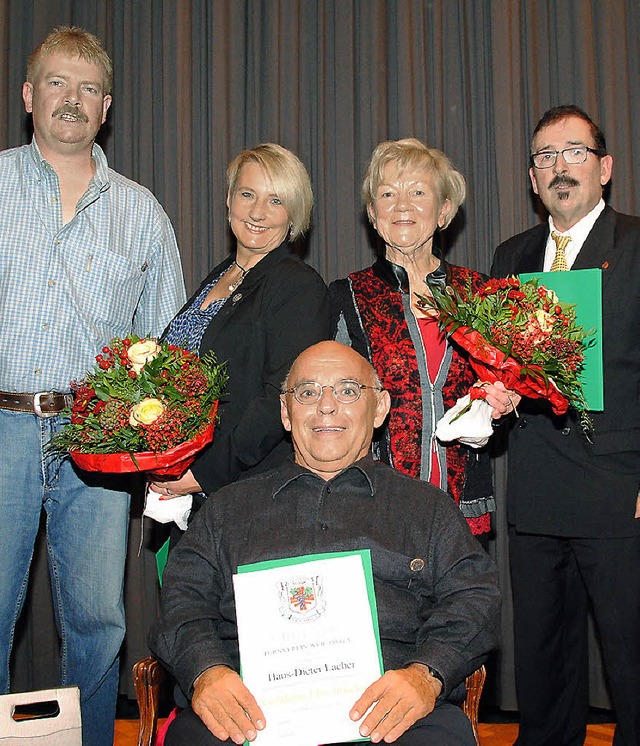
{"x":37,"y":408}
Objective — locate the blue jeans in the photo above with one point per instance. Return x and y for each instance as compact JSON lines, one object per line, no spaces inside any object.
{"x":87,"y":520}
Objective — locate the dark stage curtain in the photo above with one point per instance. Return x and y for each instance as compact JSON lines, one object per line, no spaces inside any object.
{"x":198,"y":80}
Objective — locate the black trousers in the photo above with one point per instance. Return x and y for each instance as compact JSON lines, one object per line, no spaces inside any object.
{"x":554,"y":581}
{"x":447,"y":725}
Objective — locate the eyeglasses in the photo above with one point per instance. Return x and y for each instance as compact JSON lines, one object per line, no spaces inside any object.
{"x":547,"y":158}
{"x":346,"y":392}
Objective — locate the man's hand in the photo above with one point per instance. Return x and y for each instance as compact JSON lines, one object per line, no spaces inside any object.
{"x":226,"y":706}
{"x":638,"y":506}
{"x":186,"y":485}
{"x":401,"y":698}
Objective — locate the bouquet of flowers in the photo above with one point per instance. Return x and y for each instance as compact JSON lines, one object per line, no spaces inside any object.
{"x":519,"y":333}
{"x":146,"y":406}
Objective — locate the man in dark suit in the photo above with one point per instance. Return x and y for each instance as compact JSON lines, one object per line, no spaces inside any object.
{"x":574,"y":506}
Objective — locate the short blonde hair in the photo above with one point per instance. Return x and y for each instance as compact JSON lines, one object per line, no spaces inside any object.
{"x":413,"y":155}
{"x":289,"y":178}
{"x":73,"y":42}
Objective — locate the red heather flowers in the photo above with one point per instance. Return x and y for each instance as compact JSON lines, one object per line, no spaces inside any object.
{"x":520,"y":334}
{"x":142,"y":396}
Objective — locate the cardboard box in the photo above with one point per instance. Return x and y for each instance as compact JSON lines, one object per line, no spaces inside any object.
{"x":24,"y":723}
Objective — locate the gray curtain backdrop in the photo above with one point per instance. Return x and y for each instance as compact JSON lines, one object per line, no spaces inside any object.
{"x":196,"y":81}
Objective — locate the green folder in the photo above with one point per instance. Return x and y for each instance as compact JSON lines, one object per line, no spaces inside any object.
{"x":161,"y":559}
{"x":582,"y":288}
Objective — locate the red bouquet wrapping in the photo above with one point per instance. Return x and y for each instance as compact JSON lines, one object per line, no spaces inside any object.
{"x":170,"y":463}
{"x":491,"y":364}
{"x":147,"y":406}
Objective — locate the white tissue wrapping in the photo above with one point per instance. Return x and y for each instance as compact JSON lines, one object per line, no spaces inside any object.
{"x":473,"y":428}
{"x":176,"y":509}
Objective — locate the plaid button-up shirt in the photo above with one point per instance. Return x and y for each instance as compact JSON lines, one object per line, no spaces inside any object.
{"x":67,"y":290}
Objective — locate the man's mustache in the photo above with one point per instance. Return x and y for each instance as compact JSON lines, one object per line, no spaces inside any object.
{"x":72,"y":111}
{"x":562,"y":180}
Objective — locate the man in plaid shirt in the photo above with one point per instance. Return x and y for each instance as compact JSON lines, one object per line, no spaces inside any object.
{"x":85,"y":255}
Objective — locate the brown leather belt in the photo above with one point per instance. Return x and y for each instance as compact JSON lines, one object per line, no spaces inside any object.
{"x":42,"y":403}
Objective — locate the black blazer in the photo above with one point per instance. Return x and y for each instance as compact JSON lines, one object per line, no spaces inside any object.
{"x":558,"y":482}
{"x":280,"y":309}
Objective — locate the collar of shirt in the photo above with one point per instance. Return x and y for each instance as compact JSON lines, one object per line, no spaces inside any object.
{"x":37,"y":159}
{"x":397,"y":278}
{"x":578,"y":233}
{"x":100,"y":179}
{"x":359,"y":477}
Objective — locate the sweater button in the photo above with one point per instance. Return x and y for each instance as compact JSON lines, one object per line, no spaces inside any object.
{"x":565,"y":431}
{"x":522,"y":424}
{"x":323,"y":527}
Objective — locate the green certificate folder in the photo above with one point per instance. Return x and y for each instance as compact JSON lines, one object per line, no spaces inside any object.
{"x":161,"y":559}
{"x":582,"y":288}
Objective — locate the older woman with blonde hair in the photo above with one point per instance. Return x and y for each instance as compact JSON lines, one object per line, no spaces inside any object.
{"x":257,"y":311}
{"x":411,"y":192}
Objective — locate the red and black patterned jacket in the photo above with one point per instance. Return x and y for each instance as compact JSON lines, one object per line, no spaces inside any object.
{"x":371,"y":312}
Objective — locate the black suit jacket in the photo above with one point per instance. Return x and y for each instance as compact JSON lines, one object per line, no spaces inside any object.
{"x":559,"y":484}
{"x":280,"y":309}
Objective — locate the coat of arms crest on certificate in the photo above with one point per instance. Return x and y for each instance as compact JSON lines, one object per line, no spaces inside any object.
{"x":302,"y":598}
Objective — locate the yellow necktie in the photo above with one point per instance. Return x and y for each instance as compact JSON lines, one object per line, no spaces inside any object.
{"x":560,"y":260}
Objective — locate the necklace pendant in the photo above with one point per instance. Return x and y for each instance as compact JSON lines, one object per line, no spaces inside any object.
{"x":244,"y":271}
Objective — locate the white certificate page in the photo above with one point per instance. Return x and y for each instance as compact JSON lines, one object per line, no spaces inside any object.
{"x":309,"y":644}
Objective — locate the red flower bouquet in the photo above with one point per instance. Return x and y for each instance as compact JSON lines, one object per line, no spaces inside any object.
{"x":520,"y":334}
{"x":146,"y":406}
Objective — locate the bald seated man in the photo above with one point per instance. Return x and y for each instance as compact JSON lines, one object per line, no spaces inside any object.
{"x":436,"y":589}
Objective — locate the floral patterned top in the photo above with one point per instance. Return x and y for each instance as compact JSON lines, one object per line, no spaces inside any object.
{"x":188,"y":327}
{"x":372,"y":313}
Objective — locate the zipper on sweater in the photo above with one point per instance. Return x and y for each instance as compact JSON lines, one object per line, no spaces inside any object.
{"x":433,"y":447}
{"x":433,"y":444}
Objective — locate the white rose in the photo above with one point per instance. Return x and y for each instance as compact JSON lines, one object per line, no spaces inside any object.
{"x":545,"y":320}
{"x":141,"y":352}
{"x":145,"y":412}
